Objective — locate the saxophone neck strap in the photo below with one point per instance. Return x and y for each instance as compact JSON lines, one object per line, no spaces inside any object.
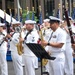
{"x":50,"y":37}
{"x":28,"y":34}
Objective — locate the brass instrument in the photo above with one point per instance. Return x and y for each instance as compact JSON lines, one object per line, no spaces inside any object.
{"x":19,"y":45}
{"x":44,"y":61}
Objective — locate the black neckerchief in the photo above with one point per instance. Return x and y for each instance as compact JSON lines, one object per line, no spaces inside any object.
{"x":2,"y":34}
{"x":28,"y":34}
{"x":50,"y":37}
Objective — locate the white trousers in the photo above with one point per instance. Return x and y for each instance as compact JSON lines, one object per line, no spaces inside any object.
{"x":17,"y":63}
{"x":56,"y":67}
{"x":68,"y":61}
{"x":3,"y":62}
{"x":23,"y":60}
{"x":36,"y":62}
{"x":29,"y":65}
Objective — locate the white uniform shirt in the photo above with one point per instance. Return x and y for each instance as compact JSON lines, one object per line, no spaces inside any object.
{"x":31,"y":38}
{"x":59,"y":36}
{"x":68,"y":42}
{"x":68,"y":39}
{"x":4,"y":44}
{"x":14,"y":41}
{"x":73,"y":28}
{"x":46,"y":34}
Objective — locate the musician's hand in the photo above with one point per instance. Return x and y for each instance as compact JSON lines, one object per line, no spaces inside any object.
{"x":8,"y":36}
{"x":73,"y":46}
{"x":44,"y":43}
{"x":73,"y":54}
{"x":49,"y":52}
{"x":21,"y":39}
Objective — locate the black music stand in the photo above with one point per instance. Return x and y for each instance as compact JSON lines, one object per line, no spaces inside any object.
{"x":40,"y":52}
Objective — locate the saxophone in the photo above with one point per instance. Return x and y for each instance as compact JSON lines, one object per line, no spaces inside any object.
{"x":19,"y":45}
{"x":44,"y":61}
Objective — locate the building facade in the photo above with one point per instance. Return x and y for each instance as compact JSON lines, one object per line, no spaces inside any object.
{"x":49,"y":7}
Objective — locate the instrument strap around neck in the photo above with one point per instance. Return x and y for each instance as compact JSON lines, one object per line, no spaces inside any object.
{"x":28,"y":34}
{"x":50,"y":37}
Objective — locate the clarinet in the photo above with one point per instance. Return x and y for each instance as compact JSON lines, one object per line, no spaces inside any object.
{"x":69,"y":26}
{"x":8,"y":31}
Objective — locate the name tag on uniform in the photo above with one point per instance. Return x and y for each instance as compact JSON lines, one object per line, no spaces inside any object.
{"x":15,"y":40}
{"x":54,"y":36}
{"x":33,"y":39}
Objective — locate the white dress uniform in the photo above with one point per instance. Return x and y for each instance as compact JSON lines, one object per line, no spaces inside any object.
{"x":29,"y":56}
{"x":56,"y":67}
{"x":3,"y":51}
{"x":17,"y":59}
{"x":46,"y":35}
{"x":68,"y":56}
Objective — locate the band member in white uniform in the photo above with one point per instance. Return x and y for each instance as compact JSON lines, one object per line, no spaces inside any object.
{"x":46,"y":31}
{"x":56,"y":48}
{"x":68,"y":51}
{"x":3,"y":51}
{"x":16,"y":58}
{"x":31,"y":37}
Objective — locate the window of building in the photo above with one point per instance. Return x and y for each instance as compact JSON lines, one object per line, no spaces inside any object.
{"x":0,"y":4}
{"x":49,"y":7}
{"x":10,"y":4}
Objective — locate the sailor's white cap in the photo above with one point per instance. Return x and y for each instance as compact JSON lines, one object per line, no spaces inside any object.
{"x":54,"y":19}
{"x":2,"y":24}
{"x":30,"y":22}
{"x":15,"y":22}
{"x":34,"y":22}
{"x":46,"y":20}
{"x":70,"y":18}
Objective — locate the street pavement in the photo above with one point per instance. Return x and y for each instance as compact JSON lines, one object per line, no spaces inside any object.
{"x":11,"y":70}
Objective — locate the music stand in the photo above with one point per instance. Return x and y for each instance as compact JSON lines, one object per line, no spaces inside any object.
{"x":40,"y":52}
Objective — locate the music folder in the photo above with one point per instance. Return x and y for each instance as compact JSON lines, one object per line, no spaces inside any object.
{"x":40,"y":52}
